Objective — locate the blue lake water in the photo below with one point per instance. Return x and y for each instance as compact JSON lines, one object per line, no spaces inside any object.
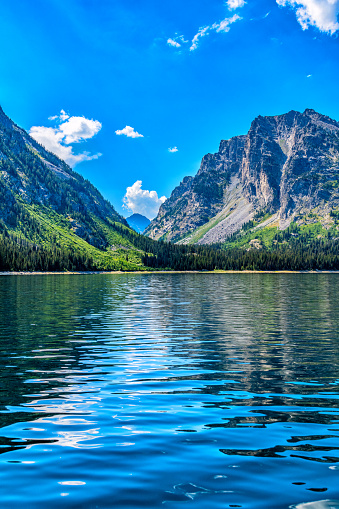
{"x":169,"y":391}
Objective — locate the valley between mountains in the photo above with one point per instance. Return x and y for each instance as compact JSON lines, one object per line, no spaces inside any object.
{"x":268,"y":200}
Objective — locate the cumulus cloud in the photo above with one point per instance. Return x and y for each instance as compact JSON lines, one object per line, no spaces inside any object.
{"x":68,"y":130}
{"x":173,"y":149}
{"x":235,"y":4}
{"x":322,"y":14}
{"x":223,"y":26}
{"x":77,"y":129}
{"x":129,"y":132}
{"x":141,"y":201}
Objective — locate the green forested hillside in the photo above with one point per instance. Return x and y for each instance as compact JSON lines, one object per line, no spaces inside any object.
{"x":300,"y":253}
{"x":52,"y":219}
{"x":137,"y":252}
{"x":50,"y":214}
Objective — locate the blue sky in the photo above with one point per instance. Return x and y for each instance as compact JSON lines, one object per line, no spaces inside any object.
{"x":112,"y":85}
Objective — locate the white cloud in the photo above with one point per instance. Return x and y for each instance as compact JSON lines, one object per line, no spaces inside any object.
{"x":174,"y":43}
{"x":70,"y":130}
{"x":77,"y":129}
{"x":322,"y":14}
{"x":309,"y":76}
{"x":129,"y":132}
{"x":223,"y":26}
{"x":62,"y":117}
{"x":202,"y":32}
{"x":235,"y":4}
{"x":173,"y":149}
{"x":140,"y":201}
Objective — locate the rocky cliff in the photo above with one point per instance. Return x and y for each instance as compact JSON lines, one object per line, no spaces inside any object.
{"x":284,"y":168}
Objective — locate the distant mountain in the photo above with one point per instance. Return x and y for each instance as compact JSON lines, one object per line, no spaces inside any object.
{"x":284,"y":171}
{"x":45,"y":205}
{"x":138,"y":222}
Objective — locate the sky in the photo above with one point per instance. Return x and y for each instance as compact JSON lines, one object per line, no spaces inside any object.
{"x":133,"y":94}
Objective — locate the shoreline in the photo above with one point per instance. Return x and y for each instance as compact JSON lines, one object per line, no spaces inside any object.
{"x":87,"y":273}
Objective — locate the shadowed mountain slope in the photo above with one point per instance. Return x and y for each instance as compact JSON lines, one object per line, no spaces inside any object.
{"x":138,"y":222}
{"x":44,"y":204}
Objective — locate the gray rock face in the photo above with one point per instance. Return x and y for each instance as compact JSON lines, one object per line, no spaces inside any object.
{"x":284,"y":165}
{"x":198,"y":199}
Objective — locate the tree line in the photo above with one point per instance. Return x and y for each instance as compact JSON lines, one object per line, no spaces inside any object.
{"x":299,"y":254}
{"x":17,"y":254}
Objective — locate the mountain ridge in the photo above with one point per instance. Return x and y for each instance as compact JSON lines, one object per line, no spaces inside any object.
{"x":138,"y":222}
{"x":51,"y":219}
{"x":280,"y":167}
{"x":45,"y":206}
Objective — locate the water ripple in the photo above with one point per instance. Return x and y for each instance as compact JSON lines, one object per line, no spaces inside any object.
{"x":184,"y":390}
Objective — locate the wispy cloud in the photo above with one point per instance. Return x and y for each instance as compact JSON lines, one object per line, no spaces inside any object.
{"x":62,"y":117}
{"x":261,"y":17}
{"x":223,"y":26}
{"x":129,"y":132}
{"x":202,"y":32}
{"x":173,"y":149}
{"x":69,"y":130}
{"x":322,"y":14}
{"x":174,"y":43}
{"x":141,"y":201}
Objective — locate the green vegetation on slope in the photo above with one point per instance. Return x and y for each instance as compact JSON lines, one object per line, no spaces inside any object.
{"x":49,"y":213}
{"x":52,"y":219}
{"x":300,"y":255}
{"x":270,"y":237}
{"x":45,"y":231}
{"x":138,"y":252}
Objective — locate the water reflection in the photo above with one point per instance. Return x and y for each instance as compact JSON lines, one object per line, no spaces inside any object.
{"x":213,"y":390}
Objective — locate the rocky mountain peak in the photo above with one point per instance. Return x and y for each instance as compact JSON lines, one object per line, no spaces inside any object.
{"x":282,"y":166}
{"x":138,"y":222}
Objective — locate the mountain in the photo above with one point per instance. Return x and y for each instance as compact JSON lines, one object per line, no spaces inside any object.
{"x":47,"y":207}
{"x":138,"y":222}
{"x":52,"y":219}
{"x":284,"y":172}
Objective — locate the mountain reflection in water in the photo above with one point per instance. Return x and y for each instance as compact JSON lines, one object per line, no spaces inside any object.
{"x":175,"y":390}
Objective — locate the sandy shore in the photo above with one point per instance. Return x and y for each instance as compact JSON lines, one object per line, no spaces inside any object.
{"x":86,"y":273}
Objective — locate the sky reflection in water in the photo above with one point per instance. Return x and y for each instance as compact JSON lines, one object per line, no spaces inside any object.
{"x":169,"y":390}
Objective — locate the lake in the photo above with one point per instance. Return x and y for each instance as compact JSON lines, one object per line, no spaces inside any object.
{"x":169,"y":391}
